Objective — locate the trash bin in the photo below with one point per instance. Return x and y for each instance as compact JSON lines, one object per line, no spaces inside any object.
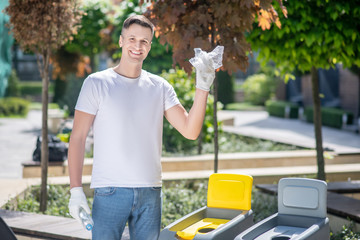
{"x":227,"y":213}
{"x":301,"y":213}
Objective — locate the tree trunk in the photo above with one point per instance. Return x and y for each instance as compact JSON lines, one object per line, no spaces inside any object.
{"x":317,"y":124}
{"x":44,"y":130}
{"x":216,"y":131}
{"x":199,"y":143}
{"x":215,"y":92}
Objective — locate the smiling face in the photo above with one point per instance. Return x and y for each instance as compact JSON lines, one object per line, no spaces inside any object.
{"x":135,"y":42}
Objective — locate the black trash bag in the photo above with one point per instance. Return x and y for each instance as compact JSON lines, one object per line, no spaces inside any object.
{"x":57,"y":149}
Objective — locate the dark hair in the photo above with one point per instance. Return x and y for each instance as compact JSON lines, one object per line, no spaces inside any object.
{"x":140,"y":20}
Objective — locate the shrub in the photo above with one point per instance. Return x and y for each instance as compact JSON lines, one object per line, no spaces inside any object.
{"x":57,"y":204}
{"x":346,"y":233}
{"x":13,"y":88}
{"x":263,"y":205}
{"x":258,"y":88}
{"x":278,"y":109}
{"x":332,"y":117}
{"x":70,"y":97}
{"x":31,"y":89}
{"x":185,"y":89}
{"x":11,"y":106}
{"x":243,"y":106}
{"x":225,"y":87}
{"x":181,"y":199}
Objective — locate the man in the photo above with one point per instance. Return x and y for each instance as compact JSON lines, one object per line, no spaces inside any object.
{"x":125,"y":106}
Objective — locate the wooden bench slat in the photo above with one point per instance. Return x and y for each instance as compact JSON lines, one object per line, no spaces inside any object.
{"x":344,"y":187}
{"x":343,"y":206}
{"x":45,"y":226}
{"x":48,"y":227}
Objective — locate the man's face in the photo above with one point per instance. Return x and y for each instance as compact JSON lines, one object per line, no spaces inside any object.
{"x":135,"y":43}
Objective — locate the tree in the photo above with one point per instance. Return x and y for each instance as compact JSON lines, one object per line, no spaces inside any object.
{"x":317,"y":34}
{"x":186,"y":25}
{"x":92,"y":38}
{"x":43,"y":26}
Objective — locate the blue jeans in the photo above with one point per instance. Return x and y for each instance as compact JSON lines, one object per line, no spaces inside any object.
{"x":114,"y":206}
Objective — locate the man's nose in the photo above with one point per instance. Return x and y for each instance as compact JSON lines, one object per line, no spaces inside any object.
{"x":138,"y":44}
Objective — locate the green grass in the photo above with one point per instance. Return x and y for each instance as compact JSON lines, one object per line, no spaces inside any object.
{"x":230,"y":143}
{"x":244,"y":106}
{"x":38,"y":106}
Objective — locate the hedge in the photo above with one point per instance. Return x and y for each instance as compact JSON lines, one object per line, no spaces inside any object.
{"x":33,"y":88}
{"x":277,"y":108}
{"x":331,"y":117}
{"x":13,"y":106}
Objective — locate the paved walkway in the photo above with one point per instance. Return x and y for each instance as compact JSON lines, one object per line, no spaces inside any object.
{"x":17,"y":142}
{"x":291,"y":131}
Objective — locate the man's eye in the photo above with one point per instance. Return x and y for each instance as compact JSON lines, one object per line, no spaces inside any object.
{"x":145,"y":42}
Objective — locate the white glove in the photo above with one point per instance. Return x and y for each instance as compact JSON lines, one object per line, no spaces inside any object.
{"x":206,"y":64}
{"x":77,"y":200}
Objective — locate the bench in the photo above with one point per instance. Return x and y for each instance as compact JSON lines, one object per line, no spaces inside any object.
{"x":44,"y":226}
{"x":32,"y":169}
{"x":337,"y":204}
{"x":47,"y":227}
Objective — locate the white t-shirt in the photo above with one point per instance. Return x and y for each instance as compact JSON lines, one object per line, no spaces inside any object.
{"x":127,"y":127}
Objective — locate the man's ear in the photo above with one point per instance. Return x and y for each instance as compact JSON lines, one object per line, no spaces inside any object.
{"x":120,"y":41}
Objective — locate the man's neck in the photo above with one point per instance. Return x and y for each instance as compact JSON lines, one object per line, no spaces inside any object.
{"x":128,"y":70}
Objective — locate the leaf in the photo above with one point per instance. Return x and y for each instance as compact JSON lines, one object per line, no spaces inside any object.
{"x":264,"y":20}
{"x":278,"y":23}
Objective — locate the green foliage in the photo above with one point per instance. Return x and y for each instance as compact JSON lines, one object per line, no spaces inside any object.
{"x":57,"y":204}
{"x":38,"y":106}
{"x":277,"y":109}
{"x":34,"y":88}
{"x":236,"y":143}
{"x":258,"y":88}
{"x":225,"y":87}
{"x":69,"y":99}
{"x":160,"y":56}
{"x":263,"y":205}
{"x":13,"y":107}
{"x":181,"y":199}
{"x":13,"y":88}
{"x":315,"y":33}
{"x":31,"y":88}
{"x":185,"y":89}
{"x":243,"y":106}
{"x":59,"y":89}
{"x":230,"y":143}
{"x":347,"y":233}
{"x":332,"y":117}
{"x":88,"y":40}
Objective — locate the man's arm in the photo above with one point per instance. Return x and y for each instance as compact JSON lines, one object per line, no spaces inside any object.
{"x":189,"y":124}
{"x":82,"y":123}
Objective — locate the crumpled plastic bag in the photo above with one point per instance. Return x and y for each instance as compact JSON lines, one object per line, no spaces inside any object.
{"x":207,"y":62}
